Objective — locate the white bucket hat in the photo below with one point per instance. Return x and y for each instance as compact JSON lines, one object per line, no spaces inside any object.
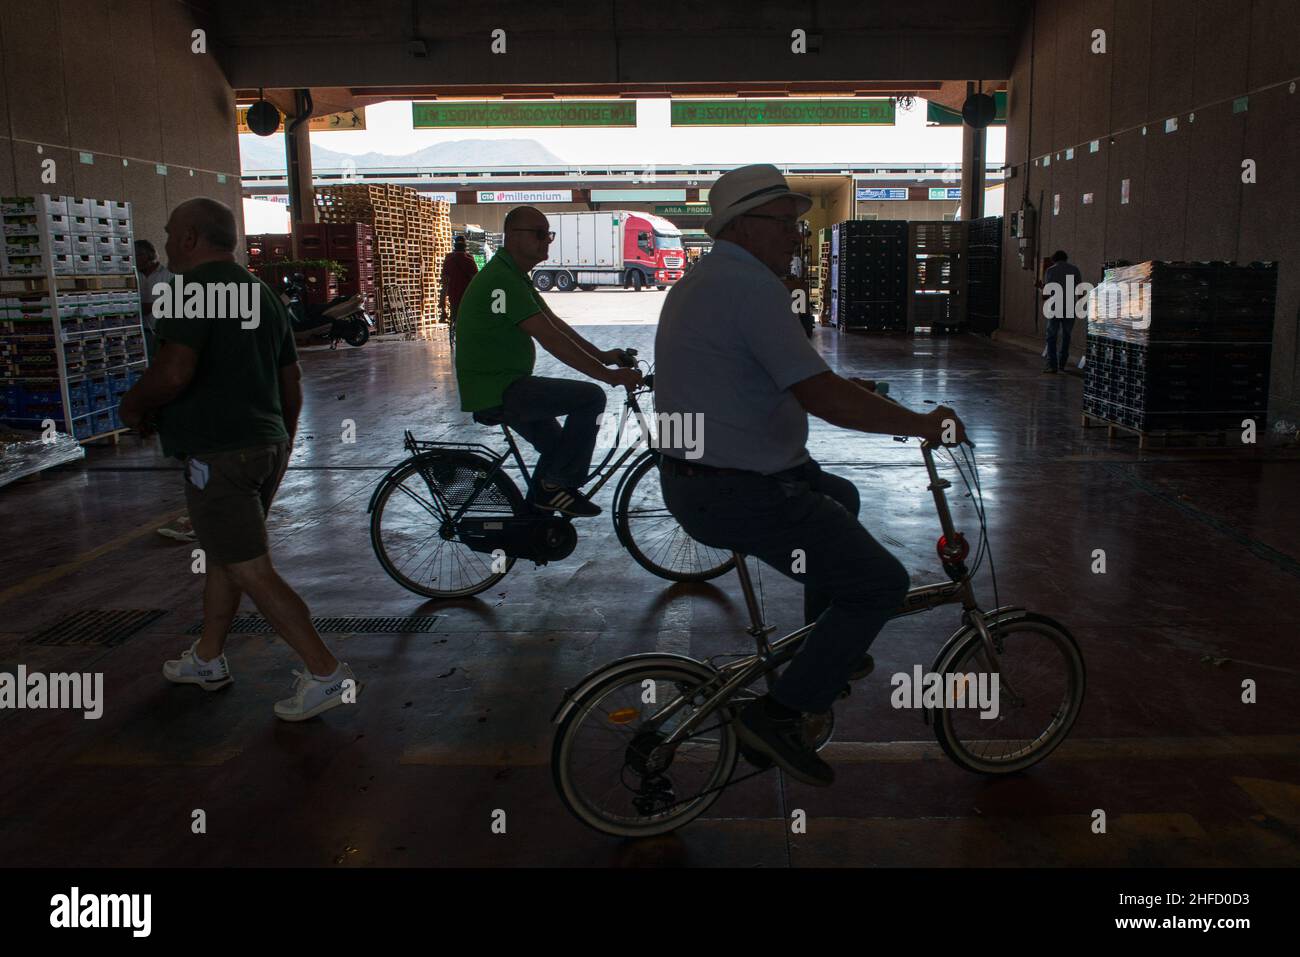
{"x":742,"y":189}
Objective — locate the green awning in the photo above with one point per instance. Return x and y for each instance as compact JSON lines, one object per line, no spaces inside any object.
{"x":936,"y":115}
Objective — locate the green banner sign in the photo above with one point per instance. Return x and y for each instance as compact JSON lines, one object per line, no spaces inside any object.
{"x":936,"y":115}
{"x":426,"y":116}
{"x":682,"y":209}
{"x":831,"y":111}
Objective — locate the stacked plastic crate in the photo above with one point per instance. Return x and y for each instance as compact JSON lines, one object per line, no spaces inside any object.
{"x":868,"y":281}
{"x":984,"y":273}
{"x":937,"y":276}
{"x":71,"y":342}
{"x":1180,"y":347}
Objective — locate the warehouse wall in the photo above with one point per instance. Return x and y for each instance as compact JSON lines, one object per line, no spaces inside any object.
{"x":116,"y":80}
{"x":1164,"y":59}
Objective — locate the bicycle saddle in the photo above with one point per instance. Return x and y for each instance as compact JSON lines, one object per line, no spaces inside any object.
{"x":489,"y":416}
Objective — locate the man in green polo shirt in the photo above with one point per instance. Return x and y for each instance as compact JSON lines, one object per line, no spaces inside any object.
{"x":224,"y":391}
{"x":500,"y":316}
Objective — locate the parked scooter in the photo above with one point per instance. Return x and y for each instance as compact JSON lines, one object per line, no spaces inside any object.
{"x":343,"y":317}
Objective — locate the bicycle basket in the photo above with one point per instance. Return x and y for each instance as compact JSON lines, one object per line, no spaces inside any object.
{"x":456,"y":478}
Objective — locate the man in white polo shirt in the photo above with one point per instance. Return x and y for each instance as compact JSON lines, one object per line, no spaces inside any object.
{"x":730,"y":350}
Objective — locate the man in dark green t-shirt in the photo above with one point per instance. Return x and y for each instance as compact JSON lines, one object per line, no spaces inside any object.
{"x":500,"y":316}
{"x":224,"y":391}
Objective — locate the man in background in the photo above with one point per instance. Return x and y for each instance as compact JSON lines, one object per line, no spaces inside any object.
{"x":225,"y":391}
{"x":1065,"y":276}
{"x":151,"y":272}
{"x":458,"y":268}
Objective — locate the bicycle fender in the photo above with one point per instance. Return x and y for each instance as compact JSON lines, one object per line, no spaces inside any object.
{"x":572,"y":695}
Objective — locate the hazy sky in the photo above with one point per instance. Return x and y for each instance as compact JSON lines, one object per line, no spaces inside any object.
{"x":654,"y":141}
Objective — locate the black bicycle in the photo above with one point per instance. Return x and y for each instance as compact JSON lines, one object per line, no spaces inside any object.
{"x":450,"y":522}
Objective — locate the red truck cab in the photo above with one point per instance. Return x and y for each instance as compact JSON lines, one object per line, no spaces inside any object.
{"x":654,"y":246}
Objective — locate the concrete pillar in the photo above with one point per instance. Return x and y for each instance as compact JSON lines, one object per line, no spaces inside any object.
{"x":973,"y":160}
{"x":297,"y":154}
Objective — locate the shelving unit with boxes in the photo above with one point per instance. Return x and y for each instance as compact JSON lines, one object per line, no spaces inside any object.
{"x":71,"y":341}
{"x":1201,"y":364}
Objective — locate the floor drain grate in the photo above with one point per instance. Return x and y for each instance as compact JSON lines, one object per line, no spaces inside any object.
{"x":257,"y":625}
{"x":106,"y":628}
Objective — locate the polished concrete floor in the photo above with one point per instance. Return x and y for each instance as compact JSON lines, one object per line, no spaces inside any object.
{"x":1199,"y":594}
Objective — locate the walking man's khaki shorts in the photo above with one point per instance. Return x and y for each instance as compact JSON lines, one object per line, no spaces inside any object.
{"x":229,"y":494}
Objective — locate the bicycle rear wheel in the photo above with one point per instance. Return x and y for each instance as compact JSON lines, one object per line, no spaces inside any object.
{"x":410,"y":526}
{"x":1040,"y":690}
{"x":652,"y":536}
{"x":608,"y":762}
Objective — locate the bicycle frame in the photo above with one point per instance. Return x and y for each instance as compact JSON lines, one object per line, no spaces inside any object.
{"x":739,"y":674}
{"x":498,"y":457}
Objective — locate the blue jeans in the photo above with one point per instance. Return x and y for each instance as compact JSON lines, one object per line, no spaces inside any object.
{"x":530,"y":406}
{"x":1056,"y":359}
{"x":852,"y":584}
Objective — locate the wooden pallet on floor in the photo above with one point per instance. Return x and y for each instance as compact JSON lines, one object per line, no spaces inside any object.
{"x":1185,"y":438}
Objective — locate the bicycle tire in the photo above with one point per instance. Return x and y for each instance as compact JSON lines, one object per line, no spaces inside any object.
{"x":668,"y":668}
{"x":650,"y":552}
{"x":1067,"y":712}
{"x":456,"y":467}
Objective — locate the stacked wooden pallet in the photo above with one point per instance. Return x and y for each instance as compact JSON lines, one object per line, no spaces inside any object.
{"x":412,"y":234}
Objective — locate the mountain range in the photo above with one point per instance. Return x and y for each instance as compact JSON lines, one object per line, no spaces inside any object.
{"x":267,"y":153}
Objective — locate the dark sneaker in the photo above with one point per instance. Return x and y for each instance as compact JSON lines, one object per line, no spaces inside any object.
{"x":566,"y":501}
{"x":863,"y":667}
{"x":783,"y":741}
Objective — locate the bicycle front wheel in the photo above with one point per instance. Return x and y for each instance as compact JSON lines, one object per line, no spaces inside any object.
{"x":652,"y":536}
{"x":410,"y":526}
{"x":609,"y":761}
{"x":1010,"y":726}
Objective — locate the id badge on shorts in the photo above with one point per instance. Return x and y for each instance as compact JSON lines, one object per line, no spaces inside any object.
{"x":198,"y":473}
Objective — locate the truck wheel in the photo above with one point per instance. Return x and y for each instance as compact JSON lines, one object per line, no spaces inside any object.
{"x":544,"y":280}
{"x":564,"y":282}
{"x":637,"y":281}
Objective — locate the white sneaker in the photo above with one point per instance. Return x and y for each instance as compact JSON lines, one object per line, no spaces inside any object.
{"x":186,"y":670}
{"x":311,"y":696}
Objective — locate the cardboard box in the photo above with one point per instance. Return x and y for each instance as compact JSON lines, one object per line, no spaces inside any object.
{"x":101,"y":208}
{"x":101,"y":224}
{"x":119,"y":210}
{"x":52,"y":205}
{"x":78,"y":206}
{"x":121,"y":226}
{"x":85,"y":264}
{"x":63,"y":264}
{"x":83,"y":244}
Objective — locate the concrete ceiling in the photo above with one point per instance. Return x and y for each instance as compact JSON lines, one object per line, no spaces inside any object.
{"x":360,"y":52}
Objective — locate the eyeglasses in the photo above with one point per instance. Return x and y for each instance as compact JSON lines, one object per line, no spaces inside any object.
{"x":549,"y":235}
{"x":784,"y":221}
